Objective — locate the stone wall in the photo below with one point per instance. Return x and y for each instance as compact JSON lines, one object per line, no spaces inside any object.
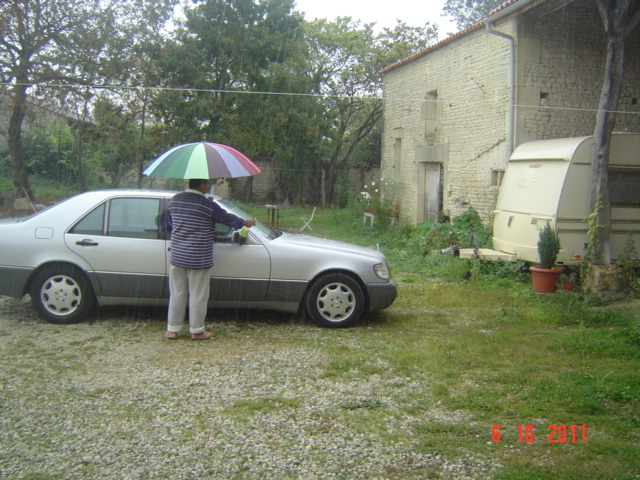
{"x":459,"y":88}
{"x":561,"y":71}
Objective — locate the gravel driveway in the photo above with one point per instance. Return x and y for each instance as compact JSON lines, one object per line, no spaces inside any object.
{"x":112,"y":398}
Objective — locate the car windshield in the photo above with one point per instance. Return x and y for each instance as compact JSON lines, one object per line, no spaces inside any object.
{"x":262,"y":230}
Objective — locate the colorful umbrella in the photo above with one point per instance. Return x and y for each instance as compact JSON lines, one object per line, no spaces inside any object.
{"x":202,"y":160}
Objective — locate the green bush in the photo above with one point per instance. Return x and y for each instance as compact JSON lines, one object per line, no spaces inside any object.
{"x":466,"y":230}
{"x":627,"y":263}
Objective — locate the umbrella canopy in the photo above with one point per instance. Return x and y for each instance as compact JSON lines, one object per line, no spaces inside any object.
{"x":202,"y":160}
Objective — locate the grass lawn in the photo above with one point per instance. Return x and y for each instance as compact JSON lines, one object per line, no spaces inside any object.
{"x":547,"y":386}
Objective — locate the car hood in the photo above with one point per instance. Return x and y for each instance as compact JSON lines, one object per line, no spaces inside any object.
{"x":308,"y":241}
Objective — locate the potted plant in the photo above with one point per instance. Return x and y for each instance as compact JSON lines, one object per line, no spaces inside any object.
{"x":544,"y":278}
{"x":567,"y":282}
{"x":368,"y":198}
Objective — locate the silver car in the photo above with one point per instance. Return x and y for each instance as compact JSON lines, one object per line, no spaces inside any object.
{"x":111,"y":247}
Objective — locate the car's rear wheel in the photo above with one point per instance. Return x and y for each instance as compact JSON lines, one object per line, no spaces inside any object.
{"x":335,"y":300}
{"x":62,"y":294}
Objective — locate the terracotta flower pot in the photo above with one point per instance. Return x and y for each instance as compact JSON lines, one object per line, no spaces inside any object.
{"x":543,"y":280}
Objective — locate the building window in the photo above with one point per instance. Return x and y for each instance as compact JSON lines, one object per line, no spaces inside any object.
{"x":496,"y":177}
{"x":431,"y":116}
{"x":397,"y":157}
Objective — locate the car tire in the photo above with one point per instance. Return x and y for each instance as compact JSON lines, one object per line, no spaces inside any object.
{"x":62,"y":294}
{"x":335,"y":300}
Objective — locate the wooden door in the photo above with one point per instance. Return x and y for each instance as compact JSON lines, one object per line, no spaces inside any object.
{"x":432,"y":191}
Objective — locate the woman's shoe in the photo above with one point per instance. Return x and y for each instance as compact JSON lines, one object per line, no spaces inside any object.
{"x":201,"y":336}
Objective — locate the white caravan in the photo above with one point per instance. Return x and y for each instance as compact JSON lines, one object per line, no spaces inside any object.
{"x":549,"y":181}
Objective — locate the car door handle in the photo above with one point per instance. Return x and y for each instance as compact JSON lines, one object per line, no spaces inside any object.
{"x":87,"y":243}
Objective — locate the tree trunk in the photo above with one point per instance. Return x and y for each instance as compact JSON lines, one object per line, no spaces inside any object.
{"x":141,"y":144}
{"x":16,"y":150}
{"x":614,"y":16}
{"x":81,"y":132}
{"x":327,"y":182}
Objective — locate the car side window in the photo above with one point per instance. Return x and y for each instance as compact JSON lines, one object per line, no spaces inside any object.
{"x":223,"y":233}
{"x":133,"y":218}
{"x":91,"y":223}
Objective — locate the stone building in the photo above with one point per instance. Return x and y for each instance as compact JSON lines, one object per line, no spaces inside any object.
{"x":454,"y":111}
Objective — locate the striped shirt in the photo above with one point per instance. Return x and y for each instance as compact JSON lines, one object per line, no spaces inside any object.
{"x":193,"y":219}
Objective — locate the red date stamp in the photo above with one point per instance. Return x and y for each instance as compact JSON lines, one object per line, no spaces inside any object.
{"x":555,"y":433}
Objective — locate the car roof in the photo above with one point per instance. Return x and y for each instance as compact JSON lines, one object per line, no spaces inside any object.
{"x":134,"y":192}
{"x":78,"y":204}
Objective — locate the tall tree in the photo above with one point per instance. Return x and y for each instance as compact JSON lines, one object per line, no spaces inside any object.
{"x":222,"y":47}
{"x":142,"y":35}
{"x":245,"y":72}
{"x":469,"y":12}
{"x":33,"y":35}
{"x":618,"y":24}
{"x":78,"y":43}
{"x":115,"y":137}
{"x":344,"y":60}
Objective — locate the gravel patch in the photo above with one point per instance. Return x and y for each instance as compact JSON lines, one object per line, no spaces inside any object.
{"x":111,"y":399}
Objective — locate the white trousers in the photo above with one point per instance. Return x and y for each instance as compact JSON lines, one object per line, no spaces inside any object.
{"x":192,"y":287}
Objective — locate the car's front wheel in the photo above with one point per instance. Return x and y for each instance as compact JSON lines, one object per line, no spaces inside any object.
{"x":62,"y":294}
{"x":335,"y":300}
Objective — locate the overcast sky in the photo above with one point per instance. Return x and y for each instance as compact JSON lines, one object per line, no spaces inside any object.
{"x":414,"y":13}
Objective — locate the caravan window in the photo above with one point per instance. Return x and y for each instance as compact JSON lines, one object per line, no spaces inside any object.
{"x":624,"y":188}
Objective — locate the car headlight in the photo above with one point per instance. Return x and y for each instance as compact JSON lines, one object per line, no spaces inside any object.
{"x":382,"y":271}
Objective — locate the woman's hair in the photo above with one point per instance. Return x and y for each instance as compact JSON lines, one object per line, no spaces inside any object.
{"x":194,"y":183}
